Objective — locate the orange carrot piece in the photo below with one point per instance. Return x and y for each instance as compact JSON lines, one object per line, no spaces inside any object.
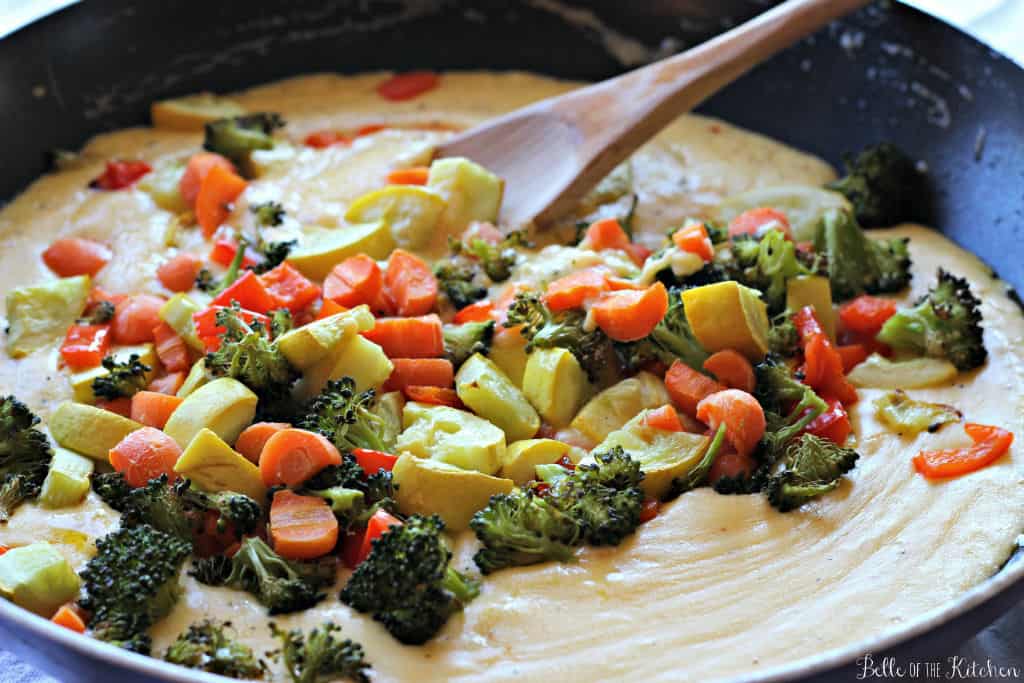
{"x":409,"y":337}
{"x":302,"y":527}
{"x":356,"y":280}
{"x":76,"y":256}
{"x":289,"y":288}
{"x":253,"y":438}
{"x":168,"y":384}
{"x":573,"y":290}
{"x":411,"y":283}
{"x":179,"y":273}
{"x":438,"y":396}
{"x":135,"y":318}
{"x":433,"y":372}
{"x":732,"y":369}
{"x":629,"y":315}
{"x":153,"y":409}
{"x":741,"y":414}
{"x":990,"y":444}
{"x":291,"y":456}
{"x":417,"y":175}
{"x":664,"y":418}
{"x":688,"y":387}
{"x":145,"y":454}
{"x":171,"y":348}
{"x":695,"y":240}
{"x":67,"y":617}
{"x":751,"y":221}
{"x":199,"y":166}
{"x":479,"y":312}
{"x":329,"y":308}
{"x":606,"y":233}
{"x":217,"y":191}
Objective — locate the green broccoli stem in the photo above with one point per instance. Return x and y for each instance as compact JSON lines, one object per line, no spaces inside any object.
{"x":462,"y":587}
{"x":234,"y":268}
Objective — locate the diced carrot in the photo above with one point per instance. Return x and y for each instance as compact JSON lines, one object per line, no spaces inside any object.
{"x":474,"y":313}
{"x":606,"y":233}
{"x":409,"y":337}
{"x":408,"y":85}
{"x":121,"y":406}
{"x":302,"y":527}
{"x":753,"y":220}
{"x":373,"y":461}
{"x":741,"y":414}
{"x":67,"y":617}
{"x":358,"y":546}
{"x":153,"y":409}
{"x":250,"y":293}
{"x":135,"y":318}
{"x":326,"y":138}
{"x":629,"y":315}
{"x":218,"y":191}
{"x":179,"y":273}
{"x":866,"y":314}
{"x":291,"y":456}
{"x":168,"y":384}
{"x":356,"y":280}
{"x":688,"y":387}
{"x":573,"y":290}
{"x":649,"y":509}
{"x":85,"y":346}
{"x":438,"y":396}
{"x":695,"y":240}
{"x":852,"y":355}
{"x":833,"y":424}
{"x":289,"y":288}
{"x":253,"y":438}
{"x":990,"y":444}
{"x":76,"y":256}
{"x":329,"y":308}
{"x":416,"y":175}
{"x":145,"y":454}
{"x":411,"y":283}
{"x":436,"y":372}
{"x":664,"y":418}
{"x":223,"y":253}
{"x":732,"y":369}
{"x":171,"y":348}
{"x":199,"y":165}
{"x":120,"y":173}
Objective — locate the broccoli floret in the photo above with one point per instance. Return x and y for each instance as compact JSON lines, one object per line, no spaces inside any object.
{"x":274,"y":254}
{"x":812,"y":466}
{"x":882,"y":184}
{"x":211,"y":646}
{"x":345,"y":417}
{"x":237,"y":137}
{"x":112,"y":488}
{"x":100,"y":314}
{"x":462,"y":341}
{"x":783,"y":338}
{"x":522,"y":528}
{"x":123,"y":379}
{"x":237,"y":509}
{"x":268,"y":214}
{"x":131,"y":583}
{"x":604,"y":497}
{"x":346,"y":475}
{"x":497,"y":260}
{"x":320,"y":656}
{"x":206,"y":282}
{"x":179,"y":509}
{"x":944,"y":323}
{"x":281,"y":585}
{"x":765,"y":264}
{"x":671,"y":339}
{"x":856,"y":263}
{"x":406,"y":582}
{"x":458,"y":280}
{"x":25,"y":456}
{"x":281,"y":321}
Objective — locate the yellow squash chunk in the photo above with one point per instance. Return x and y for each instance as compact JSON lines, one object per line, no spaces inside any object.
{"x":196,"y":378}
{"x":814,"y":291}
{"x":67,"y":482}
{"x":161,"y":184}
{"x":522,"y":457}
{"x":470,"y":191}
{"x":305,"y":346}
{"x":804,"y":205}
{"x":453,"y":436}
{"x":727,"y":315}
{"x":81,"y":382}
{"x":192,"y":112}
{"x":225,"y":406}
{"x":177,"y":313}
{"x":555,"y":384}
{"x":508,"y":352}
{"x":358,"y":358}
{"x":38,"y":578}
{"x":483,"y":387}
{"x":322,"y":249}
{"x":214,"y":466}
{"x":663,"y":455}
{"x":878,"y":372}
{"x":412,"y":212}
{"x":89,"y":430}
{"x":616,"y":405}
{"x":38,"y":315}
{"x":427,"y":487}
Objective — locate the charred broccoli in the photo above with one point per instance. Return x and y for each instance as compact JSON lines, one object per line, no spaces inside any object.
{"x":458,"y":280}
{"x":944,"y":323}
{"x":210,"y":646}
{"x":178,"y":508}
{"x":462,"y":341}
{"x":237,"y":137}
{"x":766,"y":264}
{"x":496,"y":259}
{"x":353,"y":496}
{"x":856,"y":263}
{"x":131,"y":583}
{"x":522,"y":528}
{"x":671,"y":339}
{"x":320,"y":656}
{"x":882,"y":184}
{"x":811,"y":467}
{"x":112,"y":488}
{"x":274,"y":254}
{"x":344,"y":416}
{"x":268,"y":214}
{"x":406,"y":582}
{"x":25,"y":455}
{"x":122,"y":379}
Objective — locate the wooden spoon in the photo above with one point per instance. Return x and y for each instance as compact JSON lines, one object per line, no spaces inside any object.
{"x":552,"y":152}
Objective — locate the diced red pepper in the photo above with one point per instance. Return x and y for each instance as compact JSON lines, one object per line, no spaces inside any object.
{"x":649,"y":510}
{"x":865,"y":315}
{"x":249,"y":292}
{"x":289,"y":288}
{"x":85,"y":346}
{"x":205,"y":323}
{"x":326,"y":138}
{"x":223,"y":253}
{"x":120,"y":174}
{"x":833,"y":424}
{"x":372,"y":461}
{"x":375,"y":528}
{"x":479,"y":312}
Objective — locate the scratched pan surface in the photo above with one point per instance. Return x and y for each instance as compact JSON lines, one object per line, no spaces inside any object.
{"x":887,"y":73}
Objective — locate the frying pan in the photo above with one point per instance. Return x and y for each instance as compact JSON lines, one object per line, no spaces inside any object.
{"x":886,"y":73}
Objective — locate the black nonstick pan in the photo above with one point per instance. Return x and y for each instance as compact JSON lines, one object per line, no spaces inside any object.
{"x":886,"y":73}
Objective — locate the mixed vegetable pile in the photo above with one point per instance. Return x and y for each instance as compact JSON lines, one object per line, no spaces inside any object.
{"x":298,"y":401}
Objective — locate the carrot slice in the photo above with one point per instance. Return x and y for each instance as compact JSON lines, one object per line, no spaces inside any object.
{"x":408,"y":85}
{"x":480,"y":312}
{"x":629,"y":315}
{"x":695,"y":240}
{"x":168,"y":384}
{"x":409,"y":337}
{"x":866,"y":314}
{"x":688,"y":387}
{"x":416,"y":175}
{"x":291,"y":456}
{"x":145,"y":454}
{"x":289,"y":288}
{"x":67,"y":617}
{"x":76,"y":256}
{"x":356,"y":280}
{"x":373,"y":461}
{"x":253,"y":438}
{"x":217,"y":191}
{"x":302,"y":527}
{"x":741,"y":414}
{"x":664,"y":418}
{"x":171,"y":348}
{"x":153,"y":409}
{"x":411,"y":283}
{"x":434,"y":372}
{"x":732,"y":369}
{"x":438,"y":396}
{"x":990,"y":444}
{"x":135,"y":318}
{"x":199,"y":166}
{"x":574,"y":289}
{"x":751,"y":221}
{"x":179,"y":273}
